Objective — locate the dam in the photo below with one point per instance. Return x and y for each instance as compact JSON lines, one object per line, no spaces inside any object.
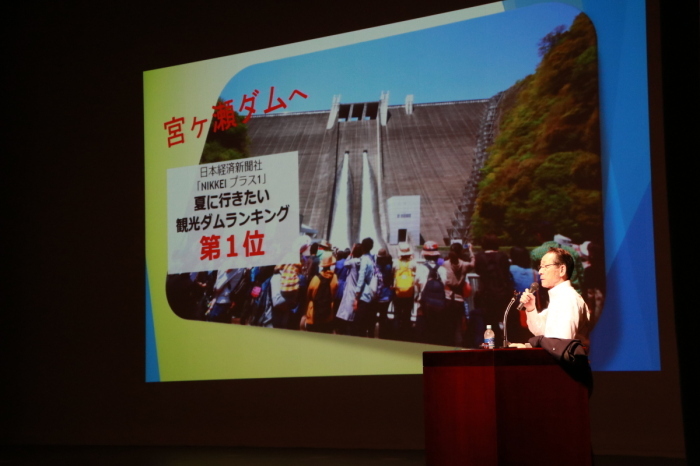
{"x":392,"y":172}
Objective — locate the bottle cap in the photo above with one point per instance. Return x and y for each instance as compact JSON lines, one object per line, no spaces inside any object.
{"x":488,"y":327}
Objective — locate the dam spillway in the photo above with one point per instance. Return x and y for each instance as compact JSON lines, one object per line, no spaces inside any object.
{"x":428,"y":151}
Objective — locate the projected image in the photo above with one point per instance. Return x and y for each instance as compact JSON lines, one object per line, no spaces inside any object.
{"x":431,"y":171}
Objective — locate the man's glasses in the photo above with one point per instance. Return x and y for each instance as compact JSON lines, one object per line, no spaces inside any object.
{"x":548,"y":265}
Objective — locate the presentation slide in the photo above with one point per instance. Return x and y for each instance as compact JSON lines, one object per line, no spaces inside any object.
{"x":292,"y":192}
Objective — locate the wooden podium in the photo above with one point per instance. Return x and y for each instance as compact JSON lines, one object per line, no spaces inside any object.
{"x":503,"y":407}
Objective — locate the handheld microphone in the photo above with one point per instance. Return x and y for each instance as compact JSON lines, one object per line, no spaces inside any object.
{"x":533,"y":289}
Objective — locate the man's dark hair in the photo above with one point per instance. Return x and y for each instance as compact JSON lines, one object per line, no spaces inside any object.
{"x":564,"y":257}
{"x":367,"y":245}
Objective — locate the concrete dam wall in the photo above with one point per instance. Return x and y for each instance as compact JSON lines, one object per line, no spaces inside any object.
{"x":426,"y":150}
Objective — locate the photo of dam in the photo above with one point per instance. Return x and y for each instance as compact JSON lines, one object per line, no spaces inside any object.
{"x":449,"y":137}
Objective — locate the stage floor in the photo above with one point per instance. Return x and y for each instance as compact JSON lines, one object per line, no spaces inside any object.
{"x":219,"y":456}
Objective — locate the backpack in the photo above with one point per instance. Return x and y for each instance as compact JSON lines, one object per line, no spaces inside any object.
{"x":276,"y":289}
{"x":433,"y":295}
{"x":323,"y":300}
{"x":404,"y":280}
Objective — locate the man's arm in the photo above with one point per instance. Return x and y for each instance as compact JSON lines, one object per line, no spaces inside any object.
{"x":535,"y":321}
{"x":472,"y":262}
{"x":419,"y":280}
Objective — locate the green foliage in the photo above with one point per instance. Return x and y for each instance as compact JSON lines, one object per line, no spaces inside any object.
{"x":215,"y":152}
{"x":230,"y":144}
{"x":545,"y":162}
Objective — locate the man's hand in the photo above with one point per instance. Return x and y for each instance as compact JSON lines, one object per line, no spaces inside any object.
{"x":528,"y":300}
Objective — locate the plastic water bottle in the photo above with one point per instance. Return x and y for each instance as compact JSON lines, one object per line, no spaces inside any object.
{"x":489,"y":338}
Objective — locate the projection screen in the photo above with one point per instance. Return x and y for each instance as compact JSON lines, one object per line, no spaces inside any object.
{"x":493,"y":119}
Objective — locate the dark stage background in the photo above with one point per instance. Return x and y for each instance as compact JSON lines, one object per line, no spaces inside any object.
{"x":73,"y":319}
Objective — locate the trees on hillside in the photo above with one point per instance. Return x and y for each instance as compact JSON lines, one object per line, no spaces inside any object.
{"x":545,"y":161}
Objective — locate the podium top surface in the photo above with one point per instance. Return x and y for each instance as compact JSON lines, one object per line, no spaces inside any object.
{"x":489,"y":357}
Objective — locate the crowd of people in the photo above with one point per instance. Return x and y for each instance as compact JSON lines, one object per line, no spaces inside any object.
{"x":418,"y":296}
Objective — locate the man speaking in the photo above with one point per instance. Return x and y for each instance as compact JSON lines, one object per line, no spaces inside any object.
{"x":567,"y":316}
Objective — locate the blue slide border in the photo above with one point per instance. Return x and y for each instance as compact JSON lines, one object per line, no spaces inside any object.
{"x":627,"y":336}
{"x":152,"y":370}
